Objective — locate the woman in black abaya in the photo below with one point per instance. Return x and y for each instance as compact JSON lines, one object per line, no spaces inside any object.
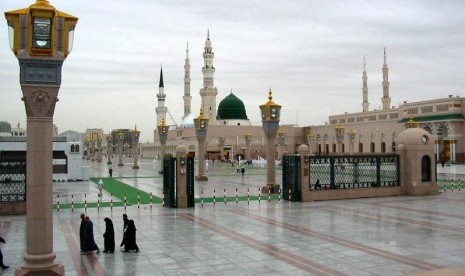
{"x":109,"y":237}
{"x":130,"y":240}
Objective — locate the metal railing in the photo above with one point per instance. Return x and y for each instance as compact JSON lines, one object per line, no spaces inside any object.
{"x":352,"y":172}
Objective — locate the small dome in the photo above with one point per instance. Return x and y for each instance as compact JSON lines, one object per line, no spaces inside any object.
{"x":5,"y":127}
{"x":188,"y":120}
{"x":231,"y":108}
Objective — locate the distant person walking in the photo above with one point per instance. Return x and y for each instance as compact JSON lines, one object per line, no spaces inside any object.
{"x":100,"y":187}
{"x":89,"y":241}
{"x":130,"y":241}
{"x":82,"y":231}
{"x":242,"y":170}
{"x":109,"y":237}
{"x":2,"y":265}
{"x":110,"y":172}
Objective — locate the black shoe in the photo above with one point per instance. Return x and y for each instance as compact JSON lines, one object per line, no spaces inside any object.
{"x":125,"y":250}
{"x":105,"y":251}
{"x":4,"y":267}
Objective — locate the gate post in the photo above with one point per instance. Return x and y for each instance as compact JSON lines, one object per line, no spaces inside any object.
{"x":303,"y":151}
{"x":417,"y":161}
{"x":181,"y":176}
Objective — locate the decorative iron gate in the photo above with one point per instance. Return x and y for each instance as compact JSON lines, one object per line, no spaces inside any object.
{"x":169,"y":181}
{"x":12,"y":176}
{"x":190,"y":182}
{"x":291,"y":177}
{"x":356,"y":171}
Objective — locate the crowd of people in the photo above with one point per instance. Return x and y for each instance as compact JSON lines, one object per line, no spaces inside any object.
{"x":88,"y":244}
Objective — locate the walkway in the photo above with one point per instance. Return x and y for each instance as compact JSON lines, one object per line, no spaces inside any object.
{"x":379,"y":236}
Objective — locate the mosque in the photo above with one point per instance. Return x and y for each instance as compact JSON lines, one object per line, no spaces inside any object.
{"x":231,"y":136}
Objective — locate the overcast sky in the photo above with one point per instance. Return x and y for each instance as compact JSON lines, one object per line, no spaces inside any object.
{"x":309,"y":52}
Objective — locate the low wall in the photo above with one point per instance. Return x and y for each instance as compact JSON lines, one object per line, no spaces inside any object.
{"x":12,"y":208}
{"x":350,"y":193}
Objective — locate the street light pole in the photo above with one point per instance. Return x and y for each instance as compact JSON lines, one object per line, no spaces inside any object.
{"x":270,"y":120}
{"x":201,"y":126}
{"x":41,"y":38}
{"x":163,"y":135}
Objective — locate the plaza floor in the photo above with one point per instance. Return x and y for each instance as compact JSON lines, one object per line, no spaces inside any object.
{"x":372,"y":236}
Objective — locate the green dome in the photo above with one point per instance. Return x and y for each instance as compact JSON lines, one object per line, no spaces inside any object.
{"x":231,"y":108}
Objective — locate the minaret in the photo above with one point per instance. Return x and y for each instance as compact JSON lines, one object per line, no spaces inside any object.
{"x":365,"y":103}
{"x":386,"y":100}
{"x":161,"y":109}
{"x":208,"y":92}
{"x":187,"y":85}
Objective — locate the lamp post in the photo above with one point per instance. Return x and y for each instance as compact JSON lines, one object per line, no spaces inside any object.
{"x":135,"y":147}
{"x":201,"y":126}
{"x":351,"y":134}
{"x":221,"y":140}
{"x":163,"y":135}
{"x":41,"y":37}
{"x":109,"y":148}
{"x":99,"y":148}
{"x":339,"y":137}
{"x":248,"y":143}
{"x":281,"y":142}
{"x":270,"y":119}
{"x":310,"y":140}
{"x":120,"y":148}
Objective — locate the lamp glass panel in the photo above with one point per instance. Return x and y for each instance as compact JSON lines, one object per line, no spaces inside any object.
{"x":70,"y":40}
{"x":42,"y":33}
{"x":11,"y":35}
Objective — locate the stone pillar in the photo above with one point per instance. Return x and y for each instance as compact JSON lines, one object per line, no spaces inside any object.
{"x":248,"y":143}
{"x":453,"y":151}
{"x":201,"y":135}
{"x":135,"y":147}
{"x":181,"y":176}
{"x":221,"y":140}
{"x":99,"y":149}
{"x":109,"y":149}
{"x":120,"y":148}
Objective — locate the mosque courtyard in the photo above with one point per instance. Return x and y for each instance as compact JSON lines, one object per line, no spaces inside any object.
{"x":371,"y":236}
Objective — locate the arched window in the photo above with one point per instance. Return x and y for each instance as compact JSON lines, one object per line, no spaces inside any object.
{"x":372,"y":147}
{"x":76,"y":149}
{"x":425,"y":169}
{"x":383,"y":147}
{"x":72,"y":148}
{"x":360,"y":147}
{"x":334,"y":147}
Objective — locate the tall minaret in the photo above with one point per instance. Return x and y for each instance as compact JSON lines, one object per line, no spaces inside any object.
{"x":209,"y":91}
{"x":187,"y":85}
{"x":386,"y":100}
{"x":161,"y":109}
{"x":365,"y":103}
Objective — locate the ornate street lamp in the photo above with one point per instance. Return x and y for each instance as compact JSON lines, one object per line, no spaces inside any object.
{"x":221,"y":141}
{"x":99,"y":148}
{"x":109,"y":148}
{"x":120,"y":148}
{"x":248,"y":143}
{"x":201,"y":126}
{"x":310,"y":140}
{"x":339,"y":137}
{"x":135,"y":147}
{"x":41,"y":38}
{"x":163,"y":135}
{"x":270,"y":112}
{"x":351,"y":135}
